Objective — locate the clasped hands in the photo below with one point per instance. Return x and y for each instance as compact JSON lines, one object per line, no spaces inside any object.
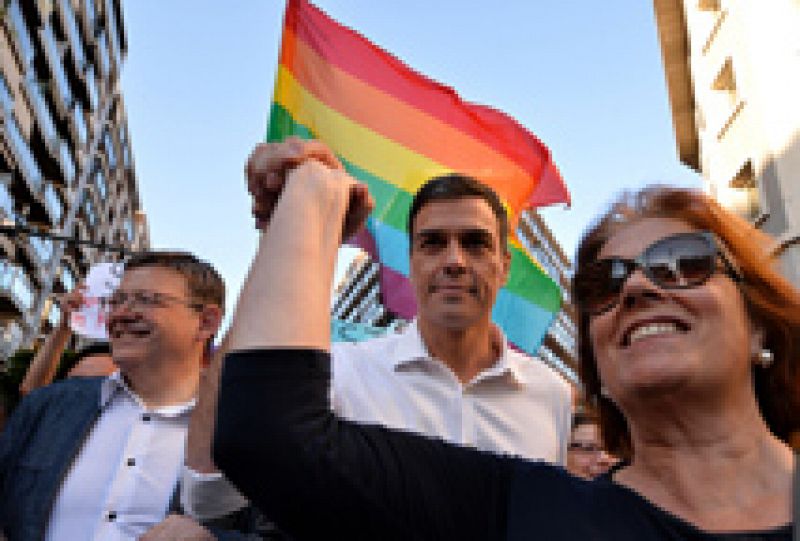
{"x":272,"y":166}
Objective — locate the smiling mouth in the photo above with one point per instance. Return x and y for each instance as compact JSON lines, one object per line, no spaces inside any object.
{"x":647,"y":329}
{"x":119,"y":331}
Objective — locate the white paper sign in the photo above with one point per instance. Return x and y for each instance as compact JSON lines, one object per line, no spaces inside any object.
{"x":101,"y":281}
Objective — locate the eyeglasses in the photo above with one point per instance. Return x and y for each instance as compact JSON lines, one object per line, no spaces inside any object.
{"x":143,"y":298}
{"x":680,"y":261}
{"x":584,"y":447}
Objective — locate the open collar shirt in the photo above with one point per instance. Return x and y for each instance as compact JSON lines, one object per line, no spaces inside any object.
{"x":123,"y":478}
{"x":519,"y":406}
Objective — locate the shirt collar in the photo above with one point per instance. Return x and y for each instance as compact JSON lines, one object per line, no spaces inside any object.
{"x":411,"y":349}
{"x":115,"y":385}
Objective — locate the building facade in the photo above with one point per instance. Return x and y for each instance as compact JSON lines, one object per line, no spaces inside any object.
{"x":66,"y":164}
{"x":357,"y":296}
{"x":733,"y":76}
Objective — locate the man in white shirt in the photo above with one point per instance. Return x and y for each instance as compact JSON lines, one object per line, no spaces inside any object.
{"x":99,"y":458}
{"x":451,"y":373}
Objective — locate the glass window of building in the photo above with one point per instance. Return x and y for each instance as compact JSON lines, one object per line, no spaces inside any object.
{"x":20,"y":30}
{"x":73,"y":33}
{"x":108,"y":143}
{"x":52,"y":50}
{"x":41,"y":110}
{"x":29,"y":166}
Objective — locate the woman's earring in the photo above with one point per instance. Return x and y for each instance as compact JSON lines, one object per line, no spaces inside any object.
{"x":765,"y":358}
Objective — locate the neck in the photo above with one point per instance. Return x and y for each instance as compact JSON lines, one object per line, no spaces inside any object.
{"x":467,"y":352}
{"x":713,"y":464}
{"x":168,"y":385}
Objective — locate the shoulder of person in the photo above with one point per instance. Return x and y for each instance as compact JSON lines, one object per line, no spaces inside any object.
{"x":541,"y":372}
{"x":371,"y":350}
{"x":71,"y":387}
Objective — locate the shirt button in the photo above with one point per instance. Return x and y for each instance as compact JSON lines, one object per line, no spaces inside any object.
{"x":112,"y":516}
{"x":146,"y":418}
{"x":131,"y":462}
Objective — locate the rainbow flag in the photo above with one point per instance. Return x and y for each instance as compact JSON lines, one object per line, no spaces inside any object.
{"x":394,"y":129}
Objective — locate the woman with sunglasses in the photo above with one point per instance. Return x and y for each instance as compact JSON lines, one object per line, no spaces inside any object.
{"x":690,"y":342}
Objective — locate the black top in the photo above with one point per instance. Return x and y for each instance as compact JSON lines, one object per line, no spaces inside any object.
{"x":321,"y":477}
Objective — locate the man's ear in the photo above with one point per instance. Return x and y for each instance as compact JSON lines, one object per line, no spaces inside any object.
{"x":210,"y":320}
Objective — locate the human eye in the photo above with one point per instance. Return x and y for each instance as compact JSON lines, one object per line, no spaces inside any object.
{"x":146,"y":298}
{"x":477,"y":241}
{"x":430,"y":241}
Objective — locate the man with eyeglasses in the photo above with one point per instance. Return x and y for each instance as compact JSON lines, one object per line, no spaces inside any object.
{"x":99,"y":458}
{"x":586,"y":456}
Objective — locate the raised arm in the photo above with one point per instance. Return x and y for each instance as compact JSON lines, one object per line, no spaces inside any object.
{"x":44,"y":365}
{"x":277,"y":439}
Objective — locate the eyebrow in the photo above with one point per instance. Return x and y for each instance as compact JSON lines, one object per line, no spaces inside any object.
{"x":459,"y":232}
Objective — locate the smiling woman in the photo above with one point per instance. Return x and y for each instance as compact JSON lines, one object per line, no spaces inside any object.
{"x":769,"y":304}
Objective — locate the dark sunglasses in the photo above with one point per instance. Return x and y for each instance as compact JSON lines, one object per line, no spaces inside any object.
{"x":680,"y":261}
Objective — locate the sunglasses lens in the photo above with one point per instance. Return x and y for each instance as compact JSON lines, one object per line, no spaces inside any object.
{"x":681,"y":261}
{"x":598,"y":286}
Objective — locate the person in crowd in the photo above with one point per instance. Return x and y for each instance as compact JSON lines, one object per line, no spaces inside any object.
{"x":586,"y":456}
{"x":451,"y":373}
{"x":94,"y":360}
{"x":689,"y":343}
{"x":99,"y":458}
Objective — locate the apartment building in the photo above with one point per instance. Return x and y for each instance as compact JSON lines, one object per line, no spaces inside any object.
{"x":357,"y":296}
{"x":66,"y":166}
{"x":733,"y":77}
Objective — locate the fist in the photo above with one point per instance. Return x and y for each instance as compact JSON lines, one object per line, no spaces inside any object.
{"x":269,"y":167}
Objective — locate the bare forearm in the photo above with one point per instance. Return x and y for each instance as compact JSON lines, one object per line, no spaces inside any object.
{"x":43,"y":367}
{"x":285,"y":299}
{"x":201,"y":425}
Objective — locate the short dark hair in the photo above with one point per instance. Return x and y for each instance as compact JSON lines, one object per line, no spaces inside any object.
{"x":458,"y":186}
{"x":204,"y":283}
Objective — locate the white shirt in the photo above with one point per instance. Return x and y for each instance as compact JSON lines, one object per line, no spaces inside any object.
{"x":518,"y":406}
{"x":121,"y":483}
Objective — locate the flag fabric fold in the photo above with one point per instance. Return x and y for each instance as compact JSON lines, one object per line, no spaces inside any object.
{"x":394,"y":129}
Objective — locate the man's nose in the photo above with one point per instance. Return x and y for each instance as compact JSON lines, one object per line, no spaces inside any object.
{"x":454,"y":256}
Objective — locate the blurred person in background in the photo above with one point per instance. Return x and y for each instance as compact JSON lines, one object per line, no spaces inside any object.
{"x":586,"y":456}
{"x":93,"y":360}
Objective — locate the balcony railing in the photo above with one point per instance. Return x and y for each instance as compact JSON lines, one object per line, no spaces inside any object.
{"x":16,"y":284}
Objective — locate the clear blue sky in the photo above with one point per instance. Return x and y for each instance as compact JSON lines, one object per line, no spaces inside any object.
{"x":584,"y":76}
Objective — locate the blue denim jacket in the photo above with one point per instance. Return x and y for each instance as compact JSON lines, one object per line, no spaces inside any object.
{"x":37,"y":447}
